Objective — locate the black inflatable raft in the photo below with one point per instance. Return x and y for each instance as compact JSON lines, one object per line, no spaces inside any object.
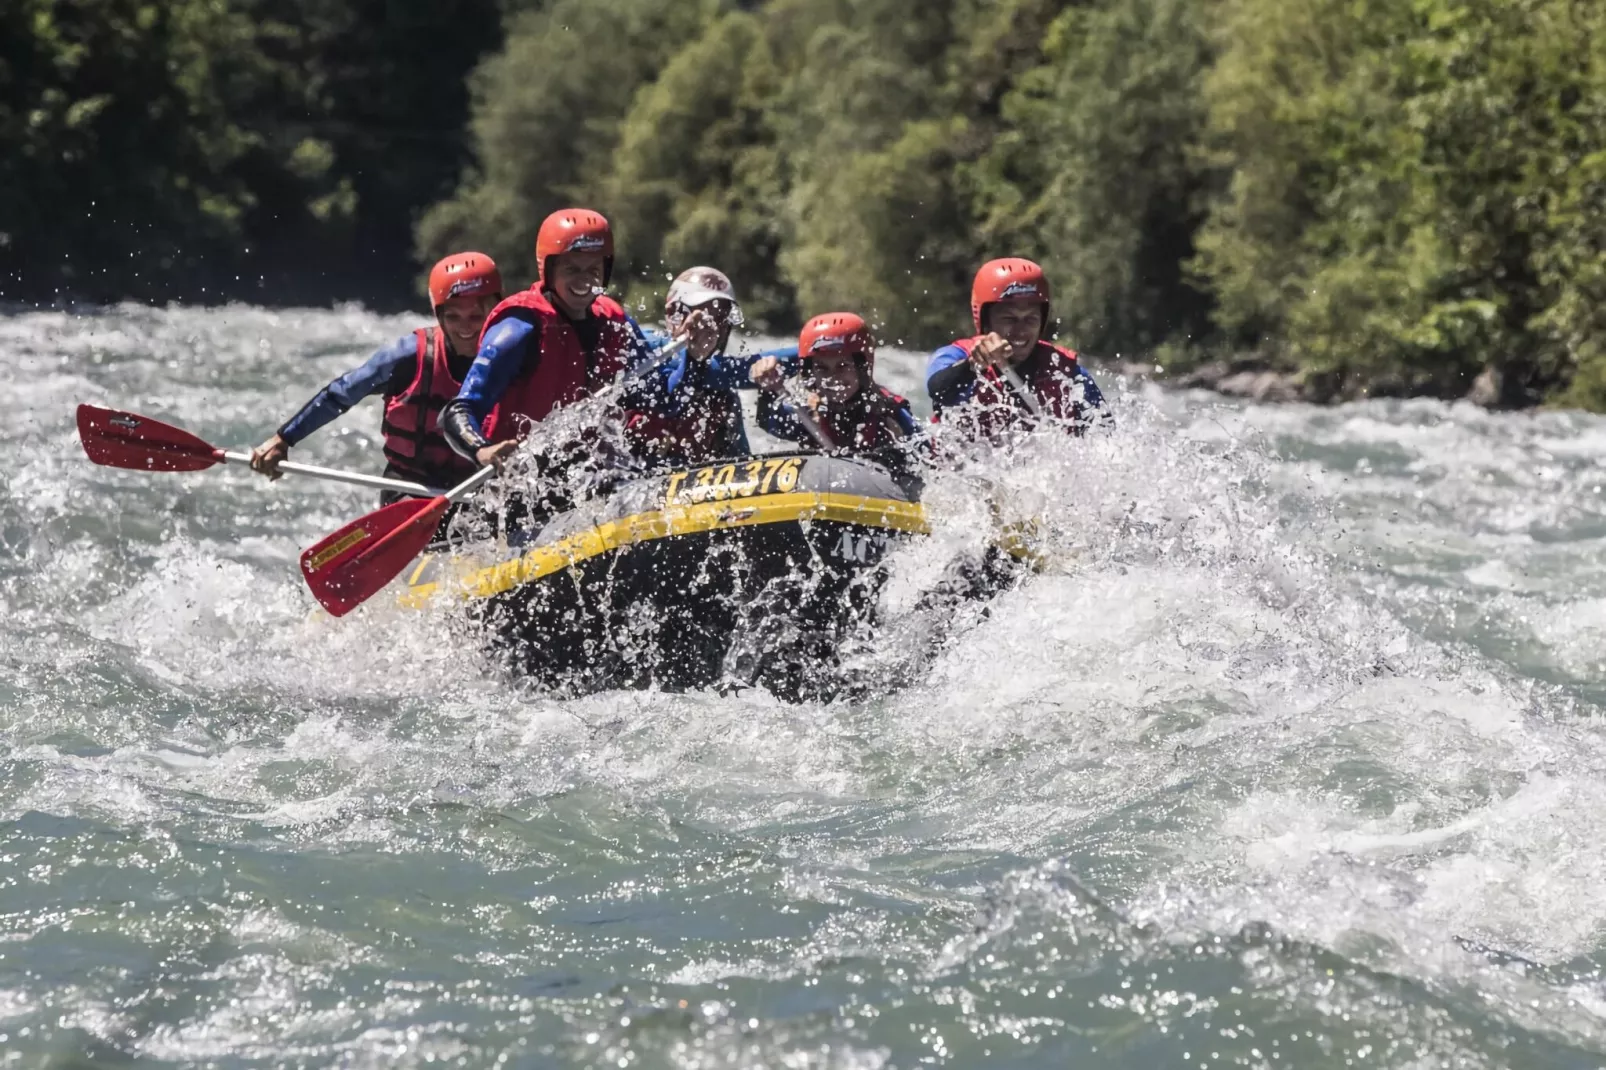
{"x":748,"y":572}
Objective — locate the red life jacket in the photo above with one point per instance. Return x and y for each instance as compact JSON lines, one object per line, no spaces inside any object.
{"x":994,"y":406}
{"x":414,"y":445}
{"x":564,"y":370}
{"x":867,"y":426}
{"x":703,"y":433}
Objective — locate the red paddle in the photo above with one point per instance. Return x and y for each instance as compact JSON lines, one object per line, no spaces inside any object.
{"x":347,"y":568}
{"x":129,"y":440}
{"x":124,"y":440}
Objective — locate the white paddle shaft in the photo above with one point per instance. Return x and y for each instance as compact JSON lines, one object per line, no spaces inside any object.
{"x":1027,"y":398}
{"x":333,"y":475}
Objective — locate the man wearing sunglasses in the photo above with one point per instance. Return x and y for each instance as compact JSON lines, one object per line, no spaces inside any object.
{"x":695,"y":414}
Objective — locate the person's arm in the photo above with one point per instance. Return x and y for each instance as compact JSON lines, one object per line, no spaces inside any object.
{"x":662,"y":388}
{"x":725,"y":371}
{"x":776,"y":418}
{"x":950,"y":377}
{"x":899,"y":458}
{"x":1091,"y":409}
{"x":643,"y":350}
{"x":388,"y":371}
{"x":502,"y":355}
{"x":655,"y":340}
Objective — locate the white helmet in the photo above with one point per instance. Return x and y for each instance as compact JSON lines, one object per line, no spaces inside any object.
{"x":699,"y":286}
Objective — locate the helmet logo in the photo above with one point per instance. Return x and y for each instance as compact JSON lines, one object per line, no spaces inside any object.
{"x":1020,"y":289}
{"x":584,"y":243}
{"x":828,"y":342}
{"x":467,"y":286}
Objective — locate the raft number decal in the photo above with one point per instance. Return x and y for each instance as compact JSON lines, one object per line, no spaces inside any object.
{"x":719,"y":482}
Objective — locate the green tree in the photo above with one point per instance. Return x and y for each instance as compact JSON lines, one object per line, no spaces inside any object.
{"x":1093,"y":172}
{"x":1399,"y":218}
{"x":120,"y":167}
{"x":694,"y":178}
{"x":547,"y":111}
{"x":204,"y":149}
{"x":868,"y":212}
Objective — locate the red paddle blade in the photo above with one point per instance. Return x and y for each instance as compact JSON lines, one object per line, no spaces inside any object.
{"x":349,"y":567}
{"x":125,"y":440}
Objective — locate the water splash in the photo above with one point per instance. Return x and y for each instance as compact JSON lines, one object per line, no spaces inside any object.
{"x":1289,"y":756}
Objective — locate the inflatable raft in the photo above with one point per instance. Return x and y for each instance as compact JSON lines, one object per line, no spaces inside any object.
{"x":747,"y":572}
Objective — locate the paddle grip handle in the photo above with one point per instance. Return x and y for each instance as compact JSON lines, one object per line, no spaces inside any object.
{"x":312,"y":471}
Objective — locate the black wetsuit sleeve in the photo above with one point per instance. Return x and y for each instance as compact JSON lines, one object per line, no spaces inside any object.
{"x":777,"y":419}
{"x":461,"y":430}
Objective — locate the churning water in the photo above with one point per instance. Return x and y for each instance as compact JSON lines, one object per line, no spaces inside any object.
{"x":1292,"y":757}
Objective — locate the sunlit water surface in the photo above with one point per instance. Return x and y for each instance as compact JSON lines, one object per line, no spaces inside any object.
{"x":1291,"y":758}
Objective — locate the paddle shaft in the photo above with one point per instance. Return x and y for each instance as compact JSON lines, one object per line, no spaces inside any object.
{"x":471,"y":484}
{"x":1027,"y":398}
{"x":312,"y":471}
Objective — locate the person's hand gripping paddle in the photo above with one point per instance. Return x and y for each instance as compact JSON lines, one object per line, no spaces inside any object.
{"x":347,"y":568}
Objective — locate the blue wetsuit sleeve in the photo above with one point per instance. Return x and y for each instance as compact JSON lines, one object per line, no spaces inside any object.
{"x":666,"y":388}
{"x":500,"y":359}
{"x":1092,"y":396}
{"x":653,"y":342}
{"x":657,"y":387}
{"x":388,"y":371}
{"x":1094,"y":409}
{"x":950,"y":380}
{"x":642,"y":349}
{"x":905,"y":419}
{"x":653,"y":383}
{"x":728,"y":372}
{"x":503,"y":352}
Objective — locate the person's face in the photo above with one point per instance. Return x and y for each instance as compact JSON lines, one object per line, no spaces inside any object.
{"x":1019,"y":324}
{"x":834,"y":375}
{"x":576,"y":280}
{"x":462,"y":318}
{"x":707,"y":326}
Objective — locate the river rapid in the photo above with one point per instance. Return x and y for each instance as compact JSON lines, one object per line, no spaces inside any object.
{"x":1291,"y":757}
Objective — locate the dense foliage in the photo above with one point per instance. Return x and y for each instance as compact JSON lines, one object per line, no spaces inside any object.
{"x":1380,"y":196}
{"x":273,"y":150}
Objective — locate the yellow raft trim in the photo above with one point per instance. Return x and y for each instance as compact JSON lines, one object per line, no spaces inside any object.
{"x":543,"y":561}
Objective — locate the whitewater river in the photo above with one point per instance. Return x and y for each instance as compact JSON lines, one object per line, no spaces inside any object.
{"x":1294,"y":758}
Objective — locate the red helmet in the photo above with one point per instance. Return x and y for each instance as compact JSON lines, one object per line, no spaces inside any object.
{"x":463,"y":275}
{"x":837,"y":332}
{"x":574,"y":230}
{"x":1010,"y":279}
